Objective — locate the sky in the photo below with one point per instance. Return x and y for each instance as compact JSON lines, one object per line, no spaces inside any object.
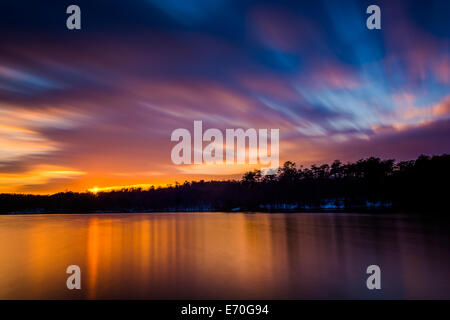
{"x":95,"y":108}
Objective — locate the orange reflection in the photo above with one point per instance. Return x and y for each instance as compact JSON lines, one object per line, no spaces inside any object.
{"x":218,"y":255}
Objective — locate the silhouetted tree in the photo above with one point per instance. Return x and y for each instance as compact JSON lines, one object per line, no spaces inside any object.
{"x":415,"y":185}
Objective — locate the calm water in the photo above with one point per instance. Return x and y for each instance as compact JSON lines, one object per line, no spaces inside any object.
{"x":223,"y":255}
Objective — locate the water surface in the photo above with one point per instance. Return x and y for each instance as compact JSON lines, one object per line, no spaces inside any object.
{"x":223,"y":255}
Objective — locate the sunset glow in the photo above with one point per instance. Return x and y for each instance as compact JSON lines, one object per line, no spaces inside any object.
{"x":94,"y":110}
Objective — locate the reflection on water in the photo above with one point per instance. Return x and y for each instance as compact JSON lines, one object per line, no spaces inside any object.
{"x":223,"y":255}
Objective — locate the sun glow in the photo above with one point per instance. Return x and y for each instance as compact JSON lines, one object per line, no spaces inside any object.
{"x":133,"y":186}
{"x":94,"y":190}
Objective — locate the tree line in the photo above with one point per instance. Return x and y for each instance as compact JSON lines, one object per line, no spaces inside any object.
{"x":368,"y":184}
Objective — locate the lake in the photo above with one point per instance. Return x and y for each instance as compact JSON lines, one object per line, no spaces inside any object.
{"x":223,"y":256}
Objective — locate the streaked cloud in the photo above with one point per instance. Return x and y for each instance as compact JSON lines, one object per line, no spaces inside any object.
{"x":39,"y":175}
{"x":96,"y":108}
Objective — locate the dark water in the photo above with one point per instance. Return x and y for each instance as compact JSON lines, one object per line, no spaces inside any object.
{"x":223,"y":255}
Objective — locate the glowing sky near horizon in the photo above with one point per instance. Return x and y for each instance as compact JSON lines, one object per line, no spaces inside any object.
{"x":96,"y":107}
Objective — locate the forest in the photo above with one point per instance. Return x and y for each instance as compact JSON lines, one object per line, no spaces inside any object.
{"x":369,"y":184}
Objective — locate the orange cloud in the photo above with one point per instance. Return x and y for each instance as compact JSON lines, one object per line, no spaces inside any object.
{"x":40,"y":174}
{"x":20,"y":130}
{"x":442,"y":108}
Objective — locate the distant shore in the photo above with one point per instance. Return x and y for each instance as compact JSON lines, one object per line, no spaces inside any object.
{"x":237,"y":210}
{"x":368,"y":185}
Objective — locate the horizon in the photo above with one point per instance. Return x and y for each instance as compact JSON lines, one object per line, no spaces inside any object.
{"x":234,"y":178}
{"x":95,"y":108}
{"x":224,"y":158}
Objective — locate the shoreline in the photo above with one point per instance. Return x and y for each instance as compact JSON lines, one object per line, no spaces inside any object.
{"x":362,"y":211}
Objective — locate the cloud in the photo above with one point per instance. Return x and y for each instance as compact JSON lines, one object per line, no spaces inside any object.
{"x":104,"y":102}
{"x":428,"y":138}
{"x":190,"y":11}
{"x":22,"y":82}
{"x":279,"y":29}
{"x":20,"y":130}
{"x":442,"y":108}
{"x":38,"y":175}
